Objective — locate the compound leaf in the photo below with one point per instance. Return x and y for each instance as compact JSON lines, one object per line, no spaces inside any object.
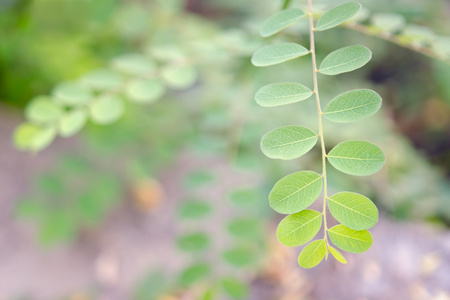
{"x":282,"y":93}
{"x":72,"y":122}
{"x":288,"y":142}
{"x":281,"y":20}
{"x":312,"y":254}
{"x":345,"y":60}
{"x":275,"y":54}
{"x":353,"y":210}
{"x":298,"y":229}
{"x":354,"y":241}
{"x":338,"y":15}
{"x":295,"y":192}
{"x":353,"y":106}
{"x":338,"y":255}
{"x":358,"y":158}
{"x":107,"y":109}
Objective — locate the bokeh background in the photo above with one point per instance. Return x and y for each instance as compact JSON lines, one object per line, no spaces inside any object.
{"x":169,"y":201}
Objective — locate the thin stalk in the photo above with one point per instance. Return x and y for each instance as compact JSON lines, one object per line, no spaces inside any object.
{"x":320,"y":113}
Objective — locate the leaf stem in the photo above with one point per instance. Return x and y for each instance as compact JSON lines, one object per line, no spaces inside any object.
{"x":320,"y":114}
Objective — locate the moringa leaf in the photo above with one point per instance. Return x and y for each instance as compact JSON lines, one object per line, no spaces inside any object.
{"x":358,"y":158}
{"x":102,"y":79}
{"x":354,"y":241}
{"x":43,"y":110}
{"x":275,"y":54}
{"x":345,"y":60}
{"x":288,"y":142}
{"x":193,"y":242}
{"x":338,"y":15}
{"x":72,"y":93}
{"x":281,"y":20}
{"x":338,"y":255}
{"x":282,"y":93}
{"x":106,"y":109}
{"x":295,"y":192}
{"x":353,"y":210}
{"x":145,"y":90}
{"x":298,"y":229}
{"x":312,"y":254}
{"x":353,"y":106}
{"x":33,"y":137}
{"x":72,"y":122}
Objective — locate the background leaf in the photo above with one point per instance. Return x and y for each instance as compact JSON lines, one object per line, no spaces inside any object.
{"x":145,"y":90}
{"x":358,"y":158}
{"x":353,"y":106}
{"x":72,"y":122}
{"x":107,"y":109}
{"x":345,"y":60}
{"x":275,"y":54}
{"x":234,"y":288}
{"x":353,"y":210}
{"x":338,"y":255}
{"x":72,"y":93}
{"x":298,"y":229}
{"x":337,"y":15}
{"x":282,"y":93}
{"x":288,"y":142}
{"x":194,"y":273}
{"x":281,"y":20}
{"x":295,"y":192}
{"x":193,"y":242}
{"x":354,"y":241}
{"x":312,"y":254}
{"x":43,"y":110}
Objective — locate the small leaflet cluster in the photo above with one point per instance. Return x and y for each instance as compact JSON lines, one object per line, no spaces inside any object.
{"x":100,"y":96}
{"x":293,"y":194}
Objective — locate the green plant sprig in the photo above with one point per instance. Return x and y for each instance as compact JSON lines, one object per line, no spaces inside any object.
{"x":294,"y":193}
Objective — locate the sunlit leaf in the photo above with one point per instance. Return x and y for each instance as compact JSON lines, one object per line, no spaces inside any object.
{"x":345,"y":60}
{"x":33,"y":137}
{"x":353,"y":106}
{"x":312,"y":254}
{"x":72,"y":93}
{"x":103,"y":79}
{"x":298,"y":229}
{"x":145,"y":90}
{"x":179,"y":77}
{"x":282,"y":93}
{"x":388,"y":22}
{"x":193,"y":242}
{"x":134,"y":64}
{"x":107,"y":109}
{"x":356,"y":158}
{"x":194,"y":273}
{"x":337,"y":15}
{"x":281,"y":20}
{"x":354,"y":241}
{"x":353,"y":210}
{"x":234,"y":288}
{"x":337,"y":255}
{"x":288,"y":142}
{"x":275,"y":54}
{"x":72,"y":122}
{"x":42,"y":110}
{"x":295,"y":192}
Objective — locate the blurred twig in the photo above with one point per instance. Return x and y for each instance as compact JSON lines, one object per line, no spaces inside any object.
{"x":286,"y":3}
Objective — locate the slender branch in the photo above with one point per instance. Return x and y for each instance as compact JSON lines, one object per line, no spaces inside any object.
{"x":320,"y":113}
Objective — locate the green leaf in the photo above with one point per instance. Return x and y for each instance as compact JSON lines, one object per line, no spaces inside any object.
{"x":282,"y":93}
{"x":358,"y":158}
{"x":345,"y":60}
{"x":72,"y":93}
{"x":239,"y":256}
{"x":275,"y":54}
{"x":288,"y":142}
{"x":298,"y":229}
{"x":194,"y":209}
{"x":338,"y":15}
{"x":43,"y":110}
{"x":295,"y":192}
{"x":234,"y":288}
{"x":107,"y":109}
{"x":134,"y":64}
{"x":194,"y":273}
{"x":145,"y":90}
{"x":193,"y":242}
{"x":199,"y":178}
{"x":72,"y":122}
{"x":102,"y":79}
{"x":281,"y":20}
{"x":33,"y":137}
{"x":246,"y":197}
{"x":353,"y":106}
{"x":312,"y":254}
{"x":353,"y":210}
{"x":388,"y":22}
{"x":247,"y":228}
{"x":179,"y":77}
{"x":338,"y":255}
{"x":418,"y":34}
{"x":354,"y":241}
